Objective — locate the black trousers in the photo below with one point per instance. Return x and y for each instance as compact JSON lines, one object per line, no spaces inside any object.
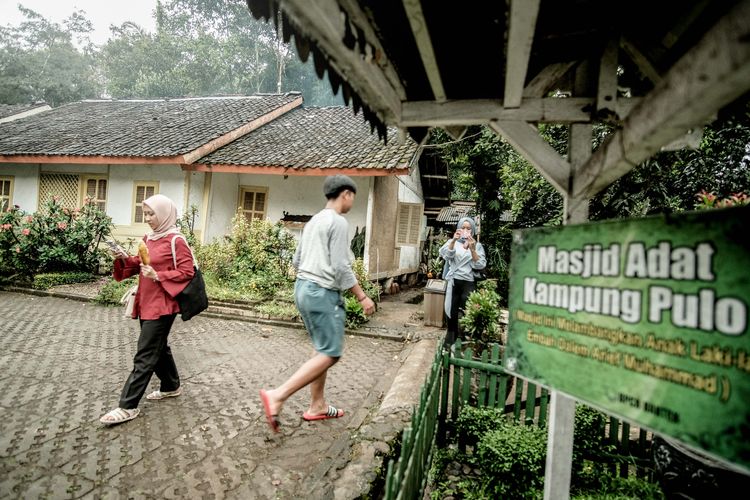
{"x":461,"y":291}
{"x":153,"y":356}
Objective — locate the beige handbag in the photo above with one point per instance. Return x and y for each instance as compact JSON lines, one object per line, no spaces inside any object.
{"x":128,"y":299}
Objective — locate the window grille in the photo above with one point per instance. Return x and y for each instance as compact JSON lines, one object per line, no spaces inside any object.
{"x":62,"y":186}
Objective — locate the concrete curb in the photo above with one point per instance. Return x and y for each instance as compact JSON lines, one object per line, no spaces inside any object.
{"x":378,"y":333}
{"x":377,"y":435}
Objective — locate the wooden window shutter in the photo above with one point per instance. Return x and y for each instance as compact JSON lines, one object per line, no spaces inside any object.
{"x":409,"y":219}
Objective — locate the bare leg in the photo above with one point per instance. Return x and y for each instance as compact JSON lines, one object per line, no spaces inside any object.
{"x":306,"y":374}
{"x":317,"y":391}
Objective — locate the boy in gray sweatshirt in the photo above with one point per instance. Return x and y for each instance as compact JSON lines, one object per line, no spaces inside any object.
{"x":324,"y":269}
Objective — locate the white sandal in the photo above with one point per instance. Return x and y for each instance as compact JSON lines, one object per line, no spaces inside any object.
{"x":157,"y":395}
{"x":119,"y":415}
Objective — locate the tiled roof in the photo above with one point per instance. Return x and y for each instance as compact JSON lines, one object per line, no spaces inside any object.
{"x":306,"y":138}
{"x":139,"y":128}
{"x":455,"y":211}
{"x":7,"y":110}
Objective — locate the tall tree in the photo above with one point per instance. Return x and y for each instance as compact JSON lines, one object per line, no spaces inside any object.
{"x":486,"y":169}
{"x":206,"y":47}
{"x":39,"y":60}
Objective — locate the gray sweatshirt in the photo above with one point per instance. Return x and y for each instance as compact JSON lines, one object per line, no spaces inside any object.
{"x":323,"y":255}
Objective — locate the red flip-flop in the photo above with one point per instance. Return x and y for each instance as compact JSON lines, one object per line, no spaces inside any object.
{"x":273,"y":420}
{"x":332,"y":412}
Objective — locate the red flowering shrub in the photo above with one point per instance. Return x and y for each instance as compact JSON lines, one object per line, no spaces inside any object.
{"x":710,"y":200}
{"x":54,"y":240}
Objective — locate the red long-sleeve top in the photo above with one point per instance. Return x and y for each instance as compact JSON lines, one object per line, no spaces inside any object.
{"x":156,"y":298}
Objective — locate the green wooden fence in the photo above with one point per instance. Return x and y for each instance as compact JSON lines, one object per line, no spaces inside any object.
{"x":464,"y":379}
{"x":407,"y":476}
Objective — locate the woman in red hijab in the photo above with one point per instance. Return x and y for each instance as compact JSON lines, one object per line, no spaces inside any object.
{"x":155,"y":307}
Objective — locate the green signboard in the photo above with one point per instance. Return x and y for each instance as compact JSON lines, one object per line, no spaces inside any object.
{"x":646,"y":319}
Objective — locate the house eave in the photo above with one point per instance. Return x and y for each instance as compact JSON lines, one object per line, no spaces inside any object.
{"x":281,"y":170}
{"x":81,"y":159}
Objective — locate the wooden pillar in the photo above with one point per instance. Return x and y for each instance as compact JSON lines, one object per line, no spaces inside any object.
{"x":558,"y":468}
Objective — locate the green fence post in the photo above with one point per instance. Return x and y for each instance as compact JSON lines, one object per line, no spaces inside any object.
{"x":444,"y":389}
{"x":614,"y":427}
{"x":625,"y":449}
{"x":389,"y":482}
{"x":543,"y":407}
{"x":494,"y":396}
{"x":482,"y":397}
{"x":530,"y":403}
{"x":456,"y":385}
{"x":641,"y":471}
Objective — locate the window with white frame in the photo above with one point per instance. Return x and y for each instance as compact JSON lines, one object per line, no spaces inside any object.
{"x":142,"y":190}
{"x":95,"y":188}
{"x":6,"y":193}
{"x":254,"y":202}
{"x":409,"y":222}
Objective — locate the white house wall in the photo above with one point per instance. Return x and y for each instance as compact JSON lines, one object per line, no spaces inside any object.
{"x":222,"y":205}
{"x":121,"y":178}
{"x":25,"y":184}
{"x":121,"y":184}
{"x":297,"y":195}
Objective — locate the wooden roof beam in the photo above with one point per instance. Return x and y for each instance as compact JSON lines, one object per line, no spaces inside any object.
{"x":641,"y":60}
{"x":484,"y":111}
{"x":526,"y":140}
{"x":711,"y":75}
{"x":546,"y":79}
{"x":418,"y":25}
{"x":606,"y":93}
{"x":325,"y":24}
{"x":523,"y":14}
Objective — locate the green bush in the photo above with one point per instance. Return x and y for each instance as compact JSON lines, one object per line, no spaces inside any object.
{"x":370,"y":288}
{"x":45,"y":281}
{"x":186,"y":223}
{"x":512,"y":458}
{"x":278,"y":310}
{"x":355,"y":313}
{"x":255,"y":259}
{"x":473,"y":423}
{"x":55,"y":239}
{"x":481,"y":318}
{"x":610,"y":487}
{"x":589,"y":439}
{"x":112,"y":291}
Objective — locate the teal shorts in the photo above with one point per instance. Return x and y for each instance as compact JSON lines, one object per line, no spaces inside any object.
{"x":323,"y":313}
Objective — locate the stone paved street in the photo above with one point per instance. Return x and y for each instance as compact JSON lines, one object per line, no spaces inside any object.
{"x":63,"y":363}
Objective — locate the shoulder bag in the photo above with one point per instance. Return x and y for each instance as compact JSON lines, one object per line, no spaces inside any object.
{"x":128,"y":300}
{"x":193,"y":299}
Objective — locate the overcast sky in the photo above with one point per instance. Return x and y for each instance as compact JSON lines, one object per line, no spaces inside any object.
{"x":102,"y":13}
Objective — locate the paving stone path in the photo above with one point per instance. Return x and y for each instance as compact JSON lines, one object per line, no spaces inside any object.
{"x":63,"y":363}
